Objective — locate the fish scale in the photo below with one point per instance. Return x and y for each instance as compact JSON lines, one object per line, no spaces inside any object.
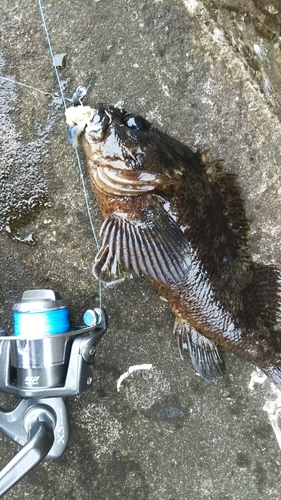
{"x":179,"y":220}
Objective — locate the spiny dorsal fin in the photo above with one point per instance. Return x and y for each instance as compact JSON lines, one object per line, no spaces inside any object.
{"x":204,"y":158}
{"x":262,"y":297}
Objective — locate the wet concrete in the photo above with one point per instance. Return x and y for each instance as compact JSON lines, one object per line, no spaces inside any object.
{"x":23,"y":192}
{"x":167,"y":434}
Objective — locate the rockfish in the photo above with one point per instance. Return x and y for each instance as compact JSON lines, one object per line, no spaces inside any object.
{"x":177,"y":218}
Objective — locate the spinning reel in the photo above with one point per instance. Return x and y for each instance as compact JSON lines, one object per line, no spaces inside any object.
{"x":42,"y":363}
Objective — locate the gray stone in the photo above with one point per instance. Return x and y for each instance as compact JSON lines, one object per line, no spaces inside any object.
{"x":208,"y":73}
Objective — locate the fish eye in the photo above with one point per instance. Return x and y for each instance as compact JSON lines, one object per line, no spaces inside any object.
{"x":136,"y":122}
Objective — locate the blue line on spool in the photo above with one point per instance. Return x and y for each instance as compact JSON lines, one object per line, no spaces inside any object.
{"x":47,"y":322}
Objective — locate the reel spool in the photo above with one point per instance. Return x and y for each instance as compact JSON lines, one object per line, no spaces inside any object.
{"x":41,"y":362}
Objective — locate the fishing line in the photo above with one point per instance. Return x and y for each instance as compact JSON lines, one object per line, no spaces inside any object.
{"x":76,"y":152}
{"x":25,"y":85}
{"x":41,"y":322}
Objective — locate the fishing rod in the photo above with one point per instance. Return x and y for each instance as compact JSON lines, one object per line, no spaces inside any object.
{"x":45,"y":359}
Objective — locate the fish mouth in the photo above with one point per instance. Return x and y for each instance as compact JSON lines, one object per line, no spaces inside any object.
{"x":98,"y":123}
{"x":119,"y":182}
{"x":95,"y":119}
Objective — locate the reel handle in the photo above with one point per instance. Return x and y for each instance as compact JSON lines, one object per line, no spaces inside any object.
{"x":41,"y":428}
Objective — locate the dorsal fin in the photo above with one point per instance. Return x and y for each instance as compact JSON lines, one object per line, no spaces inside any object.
{"x":262,"y":298}
{"x":229,"y":192}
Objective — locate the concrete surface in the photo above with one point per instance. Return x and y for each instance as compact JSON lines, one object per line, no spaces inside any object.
{"x":207,"y":73}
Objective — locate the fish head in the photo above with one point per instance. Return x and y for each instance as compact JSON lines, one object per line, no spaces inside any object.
{"x":133,"y":169}
{"x":114,"y":134}
{"x":126,"y":155}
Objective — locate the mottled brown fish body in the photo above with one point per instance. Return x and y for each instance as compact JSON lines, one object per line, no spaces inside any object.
{"x":109,"y":205}
{"x":219,"y":327}
{"x":178,"y":219}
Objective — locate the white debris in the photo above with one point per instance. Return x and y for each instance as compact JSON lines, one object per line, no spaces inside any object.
{"x":272,"y":406}
{"x":145,"y":366}
{"x":79,"y":116}
{"x":192,"y":6}
{"x":273,"y":409}
{"x":257,"y":377}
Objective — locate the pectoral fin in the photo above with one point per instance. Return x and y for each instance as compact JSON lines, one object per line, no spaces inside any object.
{"x":153,"y":245}
{"x":204,"y":355}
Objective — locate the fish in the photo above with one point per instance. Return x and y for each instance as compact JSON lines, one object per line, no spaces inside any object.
{"x":177,"y":218}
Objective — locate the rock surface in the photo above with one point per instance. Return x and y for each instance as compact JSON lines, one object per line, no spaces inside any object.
{"x":208,"y":73}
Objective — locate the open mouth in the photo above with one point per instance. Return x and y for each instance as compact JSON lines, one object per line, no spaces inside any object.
{"x":98,"y":123}
{"x":94,"y":121}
